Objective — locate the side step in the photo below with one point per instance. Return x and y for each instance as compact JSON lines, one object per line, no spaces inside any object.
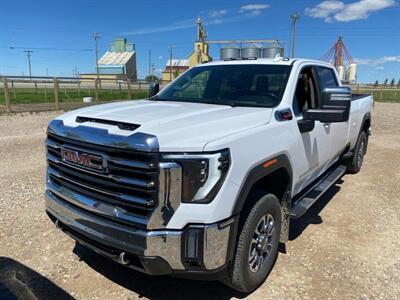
{"x":301,"y":206}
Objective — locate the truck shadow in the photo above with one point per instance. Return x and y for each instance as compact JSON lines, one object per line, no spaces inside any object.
{"x":17,"y":281}
{"x":154,"y":287}
{"x":297,"y":226}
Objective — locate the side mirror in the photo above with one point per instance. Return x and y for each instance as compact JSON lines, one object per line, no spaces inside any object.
{"x":154,"y":88}
{"x":335,"y":106}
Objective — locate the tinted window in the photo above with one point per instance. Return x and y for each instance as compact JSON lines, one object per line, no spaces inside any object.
{"x":327,"y":77}
{"x":236,"y":85}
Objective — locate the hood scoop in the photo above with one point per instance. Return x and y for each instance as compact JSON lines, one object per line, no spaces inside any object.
{"x":120,"y":125}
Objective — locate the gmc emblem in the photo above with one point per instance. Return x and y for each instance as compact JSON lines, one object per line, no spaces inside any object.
{"x":87,"y":160}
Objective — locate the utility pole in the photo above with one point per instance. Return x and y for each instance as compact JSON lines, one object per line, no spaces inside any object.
{"x":28,"y":53}
{"x":170,"y":63}
{"x":150,"y":64}
{"x":95,"y":37}
{"x":293,"y":18}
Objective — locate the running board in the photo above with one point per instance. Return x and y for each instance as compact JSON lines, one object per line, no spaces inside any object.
{"x":301,"y":206}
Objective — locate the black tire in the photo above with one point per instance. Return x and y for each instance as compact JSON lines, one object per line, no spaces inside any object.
{"x":242,"y":277}
{"x":354,"y":163}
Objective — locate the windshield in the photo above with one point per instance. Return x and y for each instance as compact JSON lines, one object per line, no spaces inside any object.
{"x":235,"y":85}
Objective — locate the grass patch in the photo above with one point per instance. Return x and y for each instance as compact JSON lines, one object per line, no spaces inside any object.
{"x":27,"y":96}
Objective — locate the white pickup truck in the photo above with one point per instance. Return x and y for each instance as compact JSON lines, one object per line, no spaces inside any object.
{"x":202,"y":179}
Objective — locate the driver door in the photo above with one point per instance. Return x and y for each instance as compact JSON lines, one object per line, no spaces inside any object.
{"x":312,"y":149}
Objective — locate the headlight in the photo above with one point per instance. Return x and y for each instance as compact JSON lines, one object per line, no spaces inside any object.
{"x":202,"y":174}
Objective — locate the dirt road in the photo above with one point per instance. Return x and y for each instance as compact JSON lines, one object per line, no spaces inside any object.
{"x":348,"y":246}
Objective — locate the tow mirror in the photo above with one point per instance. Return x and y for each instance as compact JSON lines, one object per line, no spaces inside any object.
{"x":154,"y":88}
{"x":335,"y":106}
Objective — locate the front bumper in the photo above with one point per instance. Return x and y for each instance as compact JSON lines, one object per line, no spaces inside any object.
{"x":195,"y":249}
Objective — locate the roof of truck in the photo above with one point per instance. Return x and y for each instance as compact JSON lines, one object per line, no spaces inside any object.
{"x":266,"y":61}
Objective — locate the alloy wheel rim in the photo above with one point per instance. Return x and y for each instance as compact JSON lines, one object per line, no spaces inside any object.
{"x":261,"y":243}
{"x":360,"y":154}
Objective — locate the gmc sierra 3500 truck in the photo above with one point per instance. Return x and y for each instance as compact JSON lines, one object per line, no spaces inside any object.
{"x":202,"y":179}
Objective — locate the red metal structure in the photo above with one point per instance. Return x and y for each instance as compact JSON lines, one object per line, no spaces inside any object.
{"x":337,"y":53}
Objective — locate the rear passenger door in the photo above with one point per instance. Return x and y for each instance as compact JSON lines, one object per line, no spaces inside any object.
{"x":326,"y":78}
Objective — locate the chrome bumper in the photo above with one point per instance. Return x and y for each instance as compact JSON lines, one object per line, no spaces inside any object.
{"x":203,"y":246}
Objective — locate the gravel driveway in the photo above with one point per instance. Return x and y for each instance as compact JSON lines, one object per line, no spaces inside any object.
{"x":347,"y":246}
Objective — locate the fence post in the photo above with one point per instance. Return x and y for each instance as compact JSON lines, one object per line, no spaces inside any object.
{"x":45,"y":92}
{"x":381,"y":95}
{"x":79,"y":88}
{"x":6,"y":95}
{"x":129,"y":89}
{"x":96,"y":92}
{"x":35,"y":87}
{"x":13,"y":89}
{"x":56,"y":100}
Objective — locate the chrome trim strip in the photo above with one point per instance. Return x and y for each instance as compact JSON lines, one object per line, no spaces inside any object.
{"x":136,"y":141}
{"x":169,"y":194}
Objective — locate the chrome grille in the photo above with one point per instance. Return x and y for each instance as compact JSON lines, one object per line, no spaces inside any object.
{"x":127,"y":192}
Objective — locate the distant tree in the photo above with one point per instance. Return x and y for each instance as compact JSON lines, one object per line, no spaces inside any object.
{"x":376,"y":82}
{"x":386,"y":81}
{"x":398,"y":82}
{"x":151,"y":78}
{"x":392,"y":82}
{"x":176,"y":73}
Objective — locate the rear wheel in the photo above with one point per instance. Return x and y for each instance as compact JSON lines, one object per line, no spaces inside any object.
{"x":257,"y":246}
{"x":355,"y":162}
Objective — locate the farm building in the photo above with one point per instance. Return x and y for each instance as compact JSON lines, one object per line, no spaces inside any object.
{"x":119,"y":62}
{"x":174,"y":68}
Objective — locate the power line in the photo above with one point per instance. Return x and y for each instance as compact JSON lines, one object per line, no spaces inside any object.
{"x":46,"y":48}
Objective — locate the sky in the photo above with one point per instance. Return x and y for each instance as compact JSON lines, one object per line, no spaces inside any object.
{"x":60,"y":33}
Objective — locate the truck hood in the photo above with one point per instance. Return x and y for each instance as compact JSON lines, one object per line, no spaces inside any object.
{"x":179,"y":126}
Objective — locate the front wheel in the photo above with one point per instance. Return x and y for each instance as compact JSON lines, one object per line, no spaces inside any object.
{"x":257,"y":246}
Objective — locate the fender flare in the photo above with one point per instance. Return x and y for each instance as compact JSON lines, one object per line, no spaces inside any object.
{"x":257,"y":173}
{"x":367,"y":117}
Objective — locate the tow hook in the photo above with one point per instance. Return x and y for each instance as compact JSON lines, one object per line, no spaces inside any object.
{"x":57,"y":223}
{"x":122,"y":259}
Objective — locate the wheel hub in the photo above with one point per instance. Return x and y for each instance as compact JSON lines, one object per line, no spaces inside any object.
{"x":261,"y":243}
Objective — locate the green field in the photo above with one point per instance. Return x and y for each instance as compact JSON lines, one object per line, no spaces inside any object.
{"x":387,"y":95}
{"x":28,"y":96}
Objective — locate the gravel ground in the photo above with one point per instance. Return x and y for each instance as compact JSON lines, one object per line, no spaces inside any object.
{"x":347,"y":246}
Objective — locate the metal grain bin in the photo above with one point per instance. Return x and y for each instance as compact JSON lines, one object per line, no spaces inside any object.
{"x":230,"y":53}
{"x":251,"y":52}
{"x":271,"y":52}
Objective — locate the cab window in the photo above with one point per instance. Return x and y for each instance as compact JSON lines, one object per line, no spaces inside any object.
{"x":305,"y":96}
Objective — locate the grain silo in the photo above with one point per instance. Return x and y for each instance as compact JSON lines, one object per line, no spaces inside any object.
{"x":228,"y":53}
{"x":251,"y":52}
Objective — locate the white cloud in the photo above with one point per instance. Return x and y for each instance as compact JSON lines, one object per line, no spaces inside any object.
{"x":378,"y":62}
{"x":334,"y":10}
{"x":254,"y":9}
{"x":217,"y":13}
{"x":160,"y":57}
